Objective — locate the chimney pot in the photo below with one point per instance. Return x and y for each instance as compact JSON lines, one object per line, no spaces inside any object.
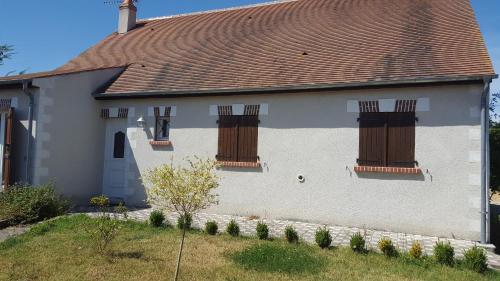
{"x":127,"y":17}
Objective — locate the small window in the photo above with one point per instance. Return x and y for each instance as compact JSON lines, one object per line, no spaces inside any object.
{"x":387,"y":139}
{"x":162,"y":128}
{"x":119,"y":145}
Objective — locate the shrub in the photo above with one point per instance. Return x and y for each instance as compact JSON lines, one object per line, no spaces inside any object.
{"x":323,"y":238}
{"x":385,"y":245}
{"x":291,"y":234}
{"x":416,"y":250}
{"x":357,"y":243}
{"x":156,"y":218}
{"x":104,"y":229}
{"x":122,"y":210}
{"x":101,"y":202}
{"x":184,"y":220}
{"x":475,"y":259}
{"x":262,"y":231}
{"x":444,"y":253}
{"x":28,"y":204}
{"x":233,"y":228}
{"x":211,"y":227}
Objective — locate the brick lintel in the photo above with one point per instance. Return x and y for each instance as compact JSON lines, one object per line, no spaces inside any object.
{"x":239,"y":164}
{"x":387,"y":170}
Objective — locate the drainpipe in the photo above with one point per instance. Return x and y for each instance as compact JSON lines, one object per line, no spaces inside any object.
{"x":485,"y":173}
{"x":30,"y":129}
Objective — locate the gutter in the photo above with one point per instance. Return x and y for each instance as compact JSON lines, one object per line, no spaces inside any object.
{"x":485,"y":165}
{"x":30,"y":128}
{"x":288,"y":89}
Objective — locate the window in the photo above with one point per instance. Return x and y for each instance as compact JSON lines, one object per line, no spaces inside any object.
{"x":387,"y":139}
{"x":238,"y":137}
{"x":119,"y":145}
{"x":162,"y":128}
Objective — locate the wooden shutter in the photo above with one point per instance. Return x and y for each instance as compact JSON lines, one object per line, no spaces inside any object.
{"x":9,"y":126}
{"x":248,"y":138}
{"x":401,"y":139}
{"x":372,"y":141}
{"x":228,"y":138}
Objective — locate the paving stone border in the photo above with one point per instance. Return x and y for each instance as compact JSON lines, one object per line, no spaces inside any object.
{"x":12,"y":231}
{"x":340,"y":234}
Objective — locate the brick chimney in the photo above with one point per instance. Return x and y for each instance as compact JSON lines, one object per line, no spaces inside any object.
{"x":127,"y":18}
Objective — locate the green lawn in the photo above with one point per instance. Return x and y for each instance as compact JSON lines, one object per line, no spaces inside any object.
{"x":61,"y":250}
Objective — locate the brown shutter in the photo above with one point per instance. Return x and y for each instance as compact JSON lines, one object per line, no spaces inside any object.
{"x":248,"y":138}
{"x":228,"y":138}
{"x":401,"y":139}
{"x":372,"y":139}
{"x":6,"y":174}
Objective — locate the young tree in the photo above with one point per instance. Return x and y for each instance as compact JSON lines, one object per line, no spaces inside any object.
{"x":6,"y":52}
{"x":184,"y":190}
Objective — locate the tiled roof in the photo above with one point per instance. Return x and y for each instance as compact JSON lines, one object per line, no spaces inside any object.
{"x":303,"y":42}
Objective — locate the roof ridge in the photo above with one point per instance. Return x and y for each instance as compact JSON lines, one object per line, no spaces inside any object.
{"x":218,"y":10}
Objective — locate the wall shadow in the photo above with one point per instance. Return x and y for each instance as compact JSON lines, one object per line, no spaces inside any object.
{"x":241,"y":169}
{"x":390,"y":176}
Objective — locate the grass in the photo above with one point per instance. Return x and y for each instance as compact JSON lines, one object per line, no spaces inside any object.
{"x":278,"y":257}
{"x":60,"y":250}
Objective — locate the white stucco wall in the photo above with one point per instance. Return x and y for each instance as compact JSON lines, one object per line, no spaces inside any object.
{"x":70,"y":134}
{"x":314,"y":135}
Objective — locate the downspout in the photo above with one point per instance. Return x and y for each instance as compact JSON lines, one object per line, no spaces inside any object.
{"x":485,"y":173}
{"x":30,"y":129}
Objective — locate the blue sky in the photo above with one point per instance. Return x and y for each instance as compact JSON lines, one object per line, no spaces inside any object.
{"x":48,"y":33}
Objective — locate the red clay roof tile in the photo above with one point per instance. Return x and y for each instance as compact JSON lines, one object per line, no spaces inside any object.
{"x":294,"y":43}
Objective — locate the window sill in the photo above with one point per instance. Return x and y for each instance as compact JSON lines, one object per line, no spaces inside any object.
{"x":239,"y":164}
{"x":160,"y":143}
{"x":387,"y":170}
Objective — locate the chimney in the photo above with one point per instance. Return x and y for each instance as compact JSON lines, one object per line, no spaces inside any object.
{"x":127,"y":17}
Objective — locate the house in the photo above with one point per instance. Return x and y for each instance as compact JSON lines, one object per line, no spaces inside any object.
{"x":368,"y":113}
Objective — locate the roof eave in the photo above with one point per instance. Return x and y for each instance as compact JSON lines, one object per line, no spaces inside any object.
{"x":297,"y":88}
{"x":18,"y":83}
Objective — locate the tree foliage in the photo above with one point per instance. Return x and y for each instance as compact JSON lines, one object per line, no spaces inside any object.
{"x":494,"y":100}
{"x":184,"y":190}
{"x":6,"y":52}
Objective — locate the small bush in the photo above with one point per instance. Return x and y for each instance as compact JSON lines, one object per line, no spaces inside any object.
{"x":156,"y":218}
{"x":29,"y":204}
{"x":262,"y":231}
{"x":444,"y":253}
{"x":291,"y":234}
{"x":357,"y":243}
{"x":323,"y":238}
{"x":416,"y":250}
{"x":122,"y":210}
{"x":385,"y":245}
{"x":184,"y":220}
{"x":104,"y":229}
{"x":211,"y":227}
{"x":233,"y":228}
{"x":475,"y":259}
{"x":101,"y":202}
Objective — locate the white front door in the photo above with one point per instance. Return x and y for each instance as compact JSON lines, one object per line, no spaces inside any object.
{"x":115,"y":158}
